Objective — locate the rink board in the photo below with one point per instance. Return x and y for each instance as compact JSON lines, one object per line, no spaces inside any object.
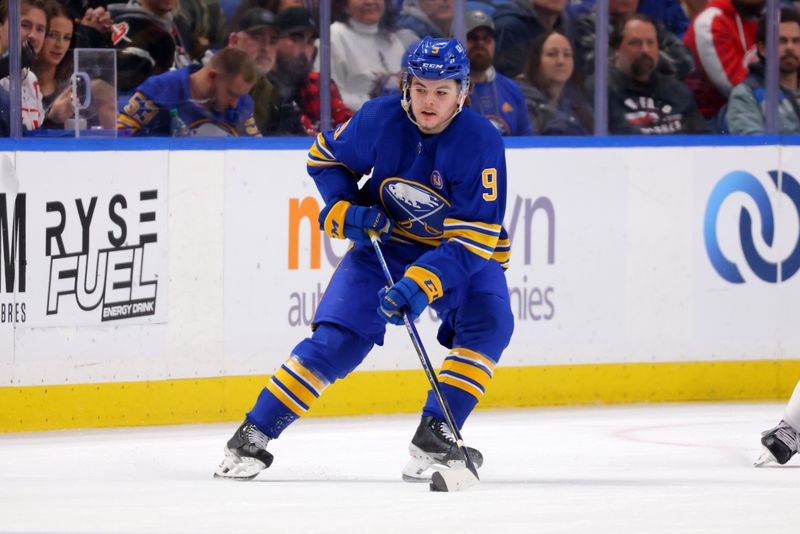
{"x":164,"y":286}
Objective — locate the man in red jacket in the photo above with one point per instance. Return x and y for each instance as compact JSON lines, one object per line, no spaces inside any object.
{"x":723,"y":42}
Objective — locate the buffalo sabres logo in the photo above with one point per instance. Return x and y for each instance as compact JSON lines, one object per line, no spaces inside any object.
{"x":418,"y":211}
{"x":436,"y":179}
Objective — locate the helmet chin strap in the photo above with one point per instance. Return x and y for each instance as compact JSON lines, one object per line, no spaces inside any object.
{"x":405,"y":101}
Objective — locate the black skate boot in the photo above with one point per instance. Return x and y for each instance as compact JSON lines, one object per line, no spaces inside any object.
{"x":433,"y":444}
{"x":780,"y":444}
{"x":245,"y":455}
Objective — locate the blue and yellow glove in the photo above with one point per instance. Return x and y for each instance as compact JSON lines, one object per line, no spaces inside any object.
{"x":344,"y":220}
{"x":410,"y":295}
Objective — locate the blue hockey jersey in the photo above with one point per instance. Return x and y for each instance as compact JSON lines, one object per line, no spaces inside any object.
{"x":446,"y":193}
{"x":148,"y":110}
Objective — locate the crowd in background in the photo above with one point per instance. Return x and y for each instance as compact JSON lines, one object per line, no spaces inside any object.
{"x":251,"y":67}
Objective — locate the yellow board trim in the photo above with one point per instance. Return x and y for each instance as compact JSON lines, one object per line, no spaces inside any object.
{"x":381,"y":392}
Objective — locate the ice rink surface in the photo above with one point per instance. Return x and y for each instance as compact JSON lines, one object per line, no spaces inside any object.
{"x":680,"y":468}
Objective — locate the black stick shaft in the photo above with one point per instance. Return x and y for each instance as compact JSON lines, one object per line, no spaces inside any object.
{"x":426,"y":363}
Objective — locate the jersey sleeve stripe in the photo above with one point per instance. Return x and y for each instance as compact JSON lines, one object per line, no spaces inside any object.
{"x":493,"y":229}
{"x":477,"y":249}
{"x":127,"y":122}
{"x":478,"y":238}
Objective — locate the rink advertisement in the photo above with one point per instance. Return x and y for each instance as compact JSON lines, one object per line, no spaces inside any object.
{"x":636,"y":274}
{"x":83,"y":246}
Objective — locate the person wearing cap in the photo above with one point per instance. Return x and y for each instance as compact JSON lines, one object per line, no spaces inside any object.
{"x":366,"y":51}
{"x":493,"y":95}
{"x":298,"y":86}
{"x":256,"y":32}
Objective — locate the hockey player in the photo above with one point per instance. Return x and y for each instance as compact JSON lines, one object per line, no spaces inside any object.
{"x":436,"y":197}
{"x":783,"y":441}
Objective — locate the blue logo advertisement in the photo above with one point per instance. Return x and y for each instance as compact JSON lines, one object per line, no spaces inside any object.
{"x":744,"y":182}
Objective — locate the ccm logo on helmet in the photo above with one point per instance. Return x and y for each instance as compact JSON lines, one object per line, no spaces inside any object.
{"x":431,"y":65}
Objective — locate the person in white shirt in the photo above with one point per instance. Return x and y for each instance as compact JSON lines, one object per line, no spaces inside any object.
{"x":33,"y":28}
{"x":366,"y":52}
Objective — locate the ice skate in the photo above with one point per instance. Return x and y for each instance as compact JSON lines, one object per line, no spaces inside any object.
{"x":780,"y":444}
{"x":433,"y":447}
{"x":245,"y":454}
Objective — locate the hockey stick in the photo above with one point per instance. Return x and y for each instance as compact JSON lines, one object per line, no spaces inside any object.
{"x":440,"y":482}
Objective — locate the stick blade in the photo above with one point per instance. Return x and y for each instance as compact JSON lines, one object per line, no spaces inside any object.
{"x":453,"y":480}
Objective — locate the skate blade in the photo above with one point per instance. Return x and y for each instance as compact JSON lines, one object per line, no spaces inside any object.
{"x":765,"y":458}
{"x":233,"y":467}
{"x":453,"y":480}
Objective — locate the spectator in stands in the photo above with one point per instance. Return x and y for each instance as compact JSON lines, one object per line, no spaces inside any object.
{"x":552,"y":89}
{"x":428,"y":17}
{"x":640,"y":99}
{"x":693,"y":8}
{"x":670,"y":13}
{"x":205,"y":23}
{"x":148,"y":41}
{"x":366,"y":52}
{"x":92,"y":26}
{"x":257,"y":34}
{"x":209,"y":100}
{"x":722,"y":40}
{"x":518,"y":23}
{"x":53,"y":66}
{"x":674,"y":57}
{"x":102,"y":111}
{"x":299,"y":88}
{"x":33,"y":28}
{"x":492,"y":95}
{"x":746,"y":106}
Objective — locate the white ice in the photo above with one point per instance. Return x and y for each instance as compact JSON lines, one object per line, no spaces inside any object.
{"x":635,"y":469}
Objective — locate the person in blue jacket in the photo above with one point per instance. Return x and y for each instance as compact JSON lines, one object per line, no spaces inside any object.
{"x":437,"y":198}
{"x":493,"y":95}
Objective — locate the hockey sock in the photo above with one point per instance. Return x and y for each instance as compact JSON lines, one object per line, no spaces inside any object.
{"x":792,"y":413}
{"x":289,"y":394}
{"x":464,"y":376}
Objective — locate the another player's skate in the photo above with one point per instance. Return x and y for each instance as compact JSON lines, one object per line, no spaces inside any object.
{"x":245,"y":455}
{"x":434,"y":447}
{"x":780,"y":444}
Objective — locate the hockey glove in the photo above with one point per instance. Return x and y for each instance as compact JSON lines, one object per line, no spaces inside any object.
{"x":419,"y":287}
{"x":403,"y":298}
{"x":344,"y":220}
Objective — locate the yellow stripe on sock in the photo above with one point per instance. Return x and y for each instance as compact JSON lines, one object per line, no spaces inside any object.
{"x":470,"y":371}
{"x":297,"y":388}
{"x":285,"y":399}
{"x":468,"y":354}
{"x":297,"y":368}
{"x":462,"y":385}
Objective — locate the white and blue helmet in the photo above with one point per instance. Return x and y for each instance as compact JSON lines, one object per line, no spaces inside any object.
{"x":436,"y":59}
